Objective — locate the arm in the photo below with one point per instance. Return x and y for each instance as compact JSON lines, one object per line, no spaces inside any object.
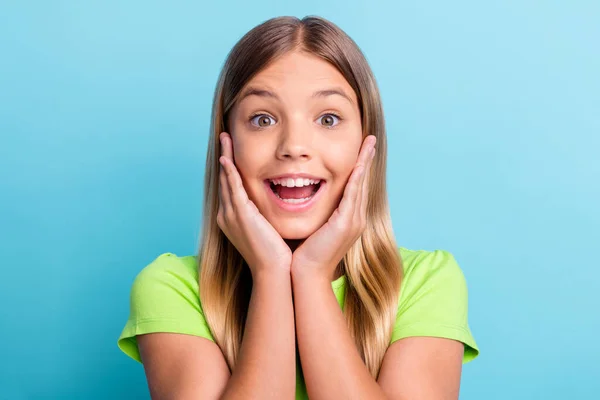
{"x":332,"y":366}
{"x":422,"y":368}
{"x":186,"y":367}
{"x":414,"y":368}
{"x":427,"y":368}
{"x":331,"y":363}
{"x":266,"y":368}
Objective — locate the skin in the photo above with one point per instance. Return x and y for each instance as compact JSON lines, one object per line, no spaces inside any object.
{"x":300,"y":135}
{"x":289,"y":130}
{"x":294,"y":256}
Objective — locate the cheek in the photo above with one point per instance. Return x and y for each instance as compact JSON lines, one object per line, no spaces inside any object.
{"x":243,"y":160}
{"x":341,"y":160}
{"x":250,"y":163}
{"x":247,"y":168}
{"x":341,"y":151}
{"x":247,"y":156}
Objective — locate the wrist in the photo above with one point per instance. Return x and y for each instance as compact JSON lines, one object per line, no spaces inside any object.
{"x":310,"y":276}
{"x":271,"y":277}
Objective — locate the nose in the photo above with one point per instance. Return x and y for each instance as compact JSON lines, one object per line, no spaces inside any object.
{"x":295,"y":141}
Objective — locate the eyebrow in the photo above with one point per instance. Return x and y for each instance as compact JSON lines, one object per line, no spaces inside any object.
{"x":331,"y":92}
{"x":253,"y":91}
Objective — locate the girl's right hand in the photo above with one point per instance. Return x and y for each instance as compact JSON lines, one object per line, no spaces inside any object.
{"x":238,"y":217}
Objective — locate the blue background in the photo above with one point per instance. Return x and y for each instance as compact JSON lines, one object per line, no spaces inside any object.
{"x":493,"y":115}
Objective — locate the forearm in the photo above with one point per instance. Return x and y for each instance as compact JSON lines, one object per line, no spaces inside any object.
{"x":330,"y":361}
{"x":266,"y":365}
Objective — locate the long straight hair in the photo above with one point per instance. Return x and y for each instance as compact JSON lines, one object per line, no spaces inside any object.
{"x":372,"y":265}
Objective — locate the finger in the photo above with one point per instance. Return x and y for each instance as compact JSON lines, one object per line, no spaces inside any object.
{"x":365,"y":150}
{"x":226,"y":144}
{"x":224,"y":190}
{"x":359,"y":192}
{"x":364,"y":158}
{"x":348,"y":202}
{"x":236,"y":188}
{"x":362,"y":165}
{"x":360,"y":198}
{"x":366,"y":185}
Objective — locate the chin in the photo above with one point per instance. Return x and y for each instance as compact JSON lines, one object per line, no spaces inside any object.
{"x":295,"y":230}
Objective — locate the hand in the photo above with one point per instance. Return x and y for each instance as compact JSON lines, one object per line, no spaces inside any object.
{"x":252,"y":235}
{"x":320,"y":253}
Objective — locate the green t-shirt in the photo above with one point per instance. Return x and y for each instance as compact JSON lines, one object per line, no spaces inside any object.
{"x":433,"y":302}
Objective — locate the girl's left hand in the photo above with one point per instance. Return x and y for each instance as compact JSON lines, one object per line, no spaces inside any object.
{"x":319,"y":255}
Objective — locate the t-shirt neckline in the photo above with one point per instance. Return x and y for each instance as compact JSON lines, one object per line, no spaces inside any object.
{"x":339,"y":282}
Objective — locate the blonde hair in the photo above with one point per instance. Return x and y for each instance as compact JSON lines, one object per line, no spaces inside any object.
{"x":372,"y":266}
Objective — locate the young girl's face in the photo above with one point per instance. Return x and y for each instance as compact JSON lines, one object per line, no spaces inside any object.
{"x":298,"y":116}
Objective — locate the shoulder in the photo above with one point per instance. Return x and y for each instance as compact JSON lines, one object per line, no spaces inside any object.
{"x":168,"y":283}
{"x":419,"y":260}
{"x":433,"y":299}
{"x":171,"y":266}
{"x":164,"y":297}
{"x":424,"y":267}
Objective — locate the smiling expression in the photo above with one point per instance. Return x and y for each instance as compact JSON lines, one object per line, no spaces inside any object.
{"x":299,"y":115}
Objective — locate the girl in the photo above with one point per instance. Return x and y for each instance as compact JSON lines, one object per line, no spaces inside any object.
{"x":299,"y":289}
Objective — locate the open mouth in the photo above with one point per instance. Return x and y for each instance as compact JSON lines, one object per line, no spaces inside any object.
{"x":295,"y":195}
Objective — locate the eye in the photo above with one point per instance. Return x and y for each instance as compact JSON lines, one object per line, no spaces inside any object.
{"x":329,"y":120}
{"x":262,"y":120}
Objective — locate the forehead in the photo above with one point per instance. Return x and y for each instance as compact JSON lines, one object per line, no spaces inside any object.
{"x":301,"y":72}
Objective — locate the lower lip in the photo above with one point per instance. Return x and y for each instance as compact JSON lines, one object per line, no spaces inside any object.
{"x":301,"y":207}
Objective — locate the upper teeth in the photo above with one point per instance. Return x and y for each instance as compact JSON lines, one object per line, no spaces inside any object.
{"x":298,"y":182}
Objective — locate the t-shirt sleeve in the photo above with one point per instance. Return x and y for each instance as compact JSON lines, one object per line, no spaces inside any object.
{"x":163,"y":298}
{"x":434,"y":302}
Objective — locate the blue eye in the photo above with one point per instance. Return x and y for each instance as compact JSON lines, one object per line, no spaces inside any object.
{"x":262,"y":120}
{"x":329,"y":120}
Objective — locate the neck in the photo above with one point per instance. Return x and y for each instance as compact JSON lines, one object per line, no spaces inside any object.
{"x":294,"y":243}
